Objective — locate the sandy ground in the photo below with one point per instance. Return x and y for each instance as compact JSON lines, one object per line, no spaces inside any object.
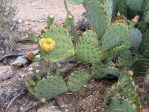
{"x":36,"y":10}
{"x":33,"y":13}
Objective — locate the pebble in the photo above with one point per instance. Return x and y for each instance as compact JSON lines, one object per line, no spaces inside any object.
{"x":27,"y":23}
{"x":20,"y":21}
{"x":5,"y":72}
{"x":30,"y":69}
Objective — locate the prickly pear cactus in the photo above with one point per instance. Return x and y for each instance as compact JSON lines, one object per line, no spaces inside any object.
{"x":77,"y":80}
{"x":140,"y":66}
{"x":124,"y":59}
{"x":125,"y":88}
{"x":146,"y":16}
{"x":87,"y":49}
{"x":135,"y":5}
{"x":49,"y":87}
{"x":121,"y":104}
{"x":115,"y":9}
{"x":100,"y":70}
{"x":63,"y":44}
{"x":90,"y":35}
{"x":122,"y":7}
{"x":99,"y":14}
{"x":136,"y":39}
{"x":117,"y":50}
{"x":114,"y":36}
{"x":144,"y":48}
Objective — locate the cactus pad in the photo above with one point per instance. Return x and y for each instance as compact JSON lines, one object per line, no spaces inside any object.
{"x":117,"y":50}
{"x":146,"y":16}
{"x":88,"y":51}
{"x":63,"y":44}
{"x":136,"y":39}
{"x":140,"y":66}
{"x":115,"y":9}
{"x":144,"y":48}
{"x":114,"y":36}
{"x":122,"y":7}
{"x":102,"y":70}
{"x":120,"y":104}
{"x":77,"y":80}
{"x":135,"y":5}
{"x":90,"y":35}
{"x":98,"y":14}
{"x":50,"y":87}
{"x":124,"y":59}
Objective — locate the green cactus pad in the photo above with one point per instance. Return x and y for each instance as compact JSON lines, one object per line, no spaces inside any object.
{"x":135,"y":5}
{"x":146,"y":16}
{"x":114,"y":36}
{"x":144,"y":48}
{"x":115,"y":9}
{"x":122,"y":7}
{"x":121,"y":105}
{"x":145,"y":6}
{"x":136,"y":39}
{"x":77,"y":80}
{"x":50,"y":87}
{"x":140,"y":66}
{"x":124,"y":60}
{"x":88,"y":51}
{"x":98,"y":14}
{"x":89,"y":35}
{"x":102,"y":70}
{"x":117,"y":50}
{"x":64,"y":46}
{"x":129,"y":91}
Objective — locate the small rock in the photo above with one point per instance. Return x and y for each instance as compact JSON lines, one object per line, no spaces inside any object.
{"x":47,"y":109}
{"x":30,"y":69}
{"x":5,"y":72}
{"x":15,"y":19}
{"x":52,"y":107}
{"x":27,"y":23}
{"x":20,"y":61}
{"x":41,"y":20}
{"x":20,"y":21}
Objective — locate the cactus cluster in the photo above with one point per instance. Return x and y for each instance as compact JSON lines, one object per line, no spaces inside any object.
{"x":110,"y":48}
{"x":123,"y":96}
{"x":131,"y":8}
{"x":53,"y":85}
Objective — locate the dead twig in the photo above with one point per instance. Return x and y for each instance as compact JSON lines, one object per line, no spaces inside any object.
{"x":9,"y":55}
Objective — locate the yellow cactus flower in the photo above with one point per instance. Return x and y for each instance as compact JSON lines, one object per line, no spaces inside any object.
{"x":47,"y":44}
{"x":41,"y":41}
